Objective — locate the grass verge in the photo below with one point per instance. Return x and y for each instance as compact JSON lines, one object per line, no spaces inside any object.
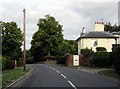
{"x":109,"y":73}
{"x":9,"y":76}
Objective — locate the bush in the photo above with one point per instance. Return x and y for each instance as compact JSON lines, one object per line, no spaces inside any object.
{"x":7,"y":63}
{"x":100,"y":59}
{"x":85,"y":51}
{"x":3,"y":61}
{"x":87,"y":56}
{"x":115,"y":56}
{"x":29,"y":60}
{"x":10,"y":64}
{"x":101,"y":49}
{"x":20,"y":62}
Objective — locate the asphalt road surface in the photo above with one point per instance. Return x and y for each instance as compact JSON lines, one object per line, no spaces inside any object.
{"x":48,"y":75}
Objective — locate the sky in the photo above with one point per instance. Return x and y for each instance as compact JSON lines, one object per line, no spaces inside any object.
{"x":72,"y":14}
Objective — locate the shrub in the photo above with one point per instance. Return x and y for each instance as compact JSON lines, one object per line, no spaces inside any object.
{"x":29,"y":60}
{"x":101,"y":49}
{"x":115,"y":56}
{"x":87,"y":55}
{"x":7,"y":63}
{"x":85,"y":51}
{"x":100,"y":59}
{"x":10,"y":64}
{"x":3,"y":61}
{"x":20,"y":62}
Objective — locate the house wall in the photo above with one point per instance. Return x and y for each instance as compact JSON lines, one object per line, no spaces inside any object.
{"x":92,"y":43}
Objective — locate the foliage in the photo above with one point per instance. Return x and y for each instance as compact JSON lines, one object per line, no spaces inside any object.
{"x":9,"y":76}
{"x":29,"y":58}
{"x":49,"y":39}
{"x":87,"y":56}
{"x":10,"y":64}
{"x":70,"y":46}
{"x":101,"y":59}
{"x":110,"y":28}
{"x":101,"y":49}
{"x":12,"y":38}
{"x":109,"y":73}
{"x":85,"y":51}
{"x":7,"y":63}
{"x":20,"y":62}
{"x":3,"y":61}
{"x":115,"y":56}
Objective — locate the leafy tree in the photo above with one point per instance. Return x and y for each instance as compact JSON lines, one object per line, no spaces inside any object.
{"x":48,"y":38}
{"x":110,"y":28}
{"x":12,"y":38}
{"x":71,"y":46}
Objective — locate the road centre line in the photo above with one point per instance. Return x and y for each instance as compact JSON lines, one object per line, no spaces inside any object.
{"x":53,"y":68}
{"x":72,"y":84}
{"x":63,"y":76}
{"x":57,"y":71}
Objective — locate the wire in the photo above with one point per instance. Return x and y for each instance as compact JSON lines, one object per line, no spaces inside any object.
{"x":16,"y":5}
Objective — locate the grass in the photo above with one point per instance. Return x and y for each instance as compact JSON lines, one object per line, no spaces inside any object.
{"x":9,"y":76}
{"x":109,"y":73}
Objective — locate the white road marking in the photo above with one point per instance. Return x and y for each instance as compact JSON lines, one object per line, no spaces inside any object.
{"x":57,"y":71}
{"x":53,"y":68}
{"x":50,"y":67}
{"x":63,"y":76}
{"x":72,"y":84}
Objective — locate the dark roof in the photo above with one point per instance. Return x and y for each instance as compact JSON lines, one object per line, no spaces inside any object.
{"x":97,"y":35}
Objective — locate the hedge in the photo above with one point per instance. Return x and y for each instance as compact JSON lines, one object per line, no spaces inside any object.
{"x":101,"y":59}
{"x":115,"y":56}
{"x":7,"y":63}
{"x":101,"y":49}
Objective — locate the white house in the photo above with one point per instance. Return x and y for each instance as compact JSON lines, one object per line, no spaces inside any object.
{"x":97,"y":38}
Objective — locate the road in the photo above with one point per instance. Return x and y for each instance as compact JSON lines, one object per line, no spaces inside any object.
{"x":48,"y":75}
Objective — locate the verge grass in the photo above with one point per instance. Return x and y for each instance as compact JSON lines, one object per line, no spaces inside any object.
{"x":9,"y":76}
{"x":109,"y":73}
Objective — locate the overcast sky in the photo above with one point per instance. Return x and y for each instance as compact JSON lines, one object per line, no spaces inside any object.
{"x":72,"y":14}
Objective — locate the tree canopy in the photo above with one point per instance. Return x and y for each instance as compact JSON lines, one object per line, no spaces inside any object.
{"x":12,"y":38}
{"x":110,"y":28}
{"x":47,"y":39}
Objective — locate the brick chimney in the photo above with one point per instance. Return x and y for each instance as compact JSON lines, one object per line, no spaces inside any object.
{"x":99,"y":26}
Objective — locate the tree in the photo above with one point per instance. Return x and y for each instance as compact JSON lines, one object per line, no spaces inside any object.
{"x":110,"y":28}
{"x":12,"y":38}
{"x":48,"y":38}
{"x":70,"y":46}
{"x":29,"y":59}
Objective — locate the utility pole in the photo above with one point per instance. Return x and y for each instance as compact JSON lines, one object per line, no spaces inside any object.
{"x":24,"y":27}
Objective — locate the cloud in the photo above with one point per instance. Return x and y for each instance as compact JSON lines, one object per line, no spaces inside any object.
{"x":72,"y":14}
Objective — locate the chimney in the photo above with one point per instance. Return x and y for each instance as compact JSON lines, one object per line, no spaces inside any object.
{"x":83,"y":31}
{"x":99,"y":26}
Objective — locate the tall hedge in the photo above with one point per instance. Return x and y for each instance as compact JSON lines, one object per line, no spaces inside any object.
{"x":7,"y":63}
{"x":101,"y":59}
{"x":115,"y":56}
{"x":2,"y":63}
